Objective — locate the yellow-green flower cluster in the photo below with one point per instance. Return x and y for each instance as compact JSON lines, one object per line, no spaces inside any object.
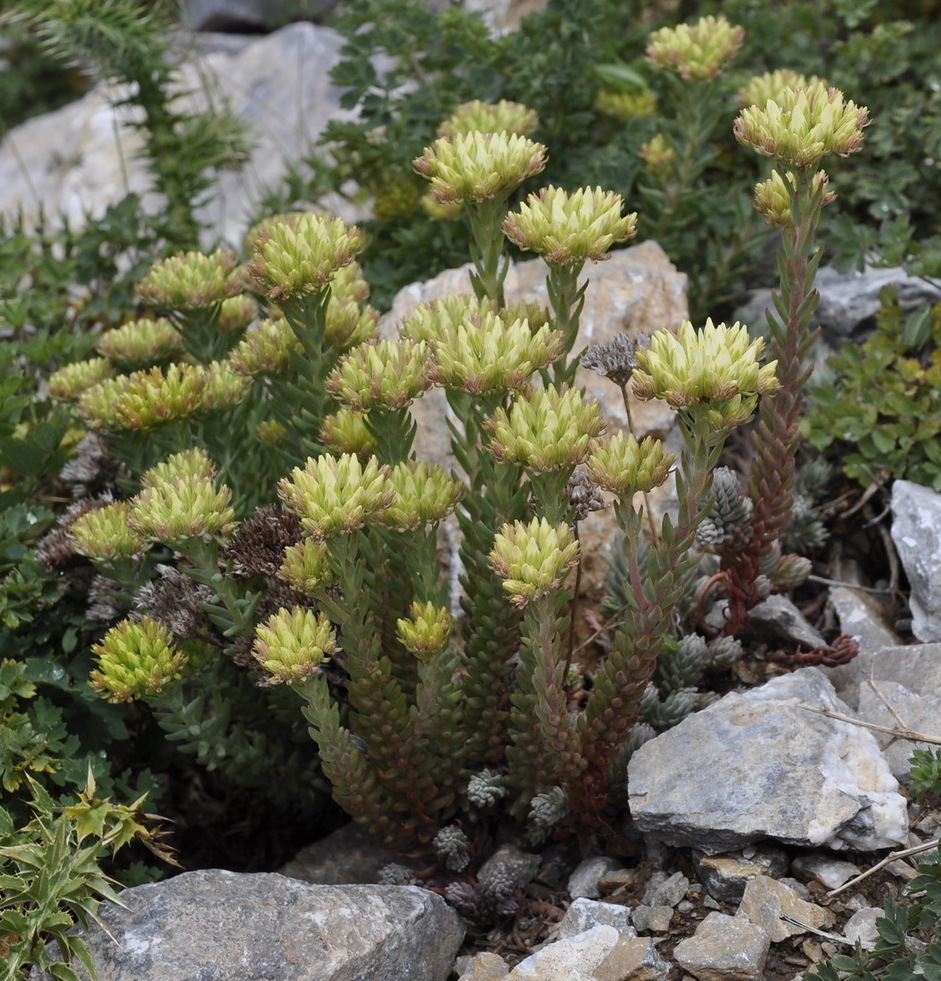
{"x":292,"y":644}
{"x":72,"y":380}
{"x":533,"y":559}
{"x":421,"y":494}
{"x":141,"y":343}
{"x":306,"y":566}
{"x":265,"y":349}
{"x":192,"y":463}
{"x":300,"y":256}
{"x":493,"y":354}
{"x":474,"y":167}
{"x":145,"y":399}
{"x":136,"y":658}
{"x":658,"y":155}
{"x":546,"y":429}
{"x":333,"y":495}
{"x":696,"y":51}
{"x":104,"y":535}
{"x":345,"y":431}
{"x":236,"y":313}
{"x":770,"y":86}
{"x":717,"y":365}
{"x":625,"y":467}
{"x":803,"y":126}
{"x":626,"y":105}
{"x":426,"y":631}
{"x":567,"y":229}
{"x":349,"y":324}
{"x":191,"y":280}
{"x":439,"y":317}
{"x":179,"y":502}
{"x":773,"y":196}
{"x":382,"y":375}
{"x":487,"y":117}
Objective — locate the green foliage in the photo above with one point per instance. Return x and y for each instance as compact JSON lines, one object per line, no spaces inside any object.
{"x":124,"y":41}
{"x":880,"y":415}
{"x":926,"y":771}
{"x":909,"y":945}
{"x":51,"y":878}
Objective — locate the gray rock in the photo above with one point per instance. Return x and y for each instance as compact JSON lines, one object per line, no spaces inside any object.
{"x":725,"y":876}
{"x":768,"y":901}
{"x":916,"y":667}
{"x":916,"y":532}
{"x":347,"y":856}
{"x":861,"y":926}
{"x":724,"y":948}
{"x":79,"y":159}
{"x":633,"y":960}
{"x":225,"y":926}
{"x":863,"y":617}
{"x":849,"y":301}
{"x":758,"y":764}
{"x":922,"y":713}
{"x":583,"y":882}
{"x":778,"y":618}
{"x":669,"y":892}
{"x":481,"y":967}
{"x":652,"y":919}
{"x":827,"y":870}
{"x":584,"y":914}
{"x":573,"y":959}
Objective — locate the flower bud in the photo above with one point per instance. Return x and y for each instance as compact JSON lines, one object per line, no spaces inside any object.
{"x":769,"y":87}
{"x":136,"y":658}
{"x":493,"y":355}
{"x":475,"y":167}
{"x":427,"y":630}
{"x":625,"y":467}
{"x":306,"y":566}
{"x":104,"y":535}
{"x":383,"y":375}
{"x":715,"y":364}
{"x":698,"y":51}
{"x":547,"y":429}
{"x":179,"y":502}
{"x":422,"y":494}
{"x":332,"y":495}
{"x":485,"y":117}
{"x":567,"y":229}
{"x":73,"y":380}
{"x":345,"y":431}
{"x":533,"y":559}
{"x":301,"y":254}
{"x":141,"y":343}
{"x":803,"y":126}
{"x":192,"y":280}
{"x":292,"y":644}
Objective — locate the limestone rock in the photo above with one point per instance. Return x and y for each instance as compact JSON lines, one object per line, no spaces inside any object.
{"x":767,"y":901}
{"x":916,"y":532}
{"x":920,"y":712}
{"x":633,"y":960}
{"x":584,"y":914}
{"x":573,"y":959}
{"x":724,"y":948}
{"x":225,"y":926}
{"x":79,"y":159}
{"x":758,"y":764}
{"x":863,"y":617}
{"x":583,"y":882}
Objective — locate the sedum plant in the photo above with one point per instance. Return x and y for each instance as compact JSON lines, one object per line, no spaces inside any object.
{"x":431,"y":721}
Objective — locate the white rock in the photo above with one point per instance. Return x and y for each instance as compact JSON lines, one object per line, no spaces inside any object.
{"x":759,"y":764}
